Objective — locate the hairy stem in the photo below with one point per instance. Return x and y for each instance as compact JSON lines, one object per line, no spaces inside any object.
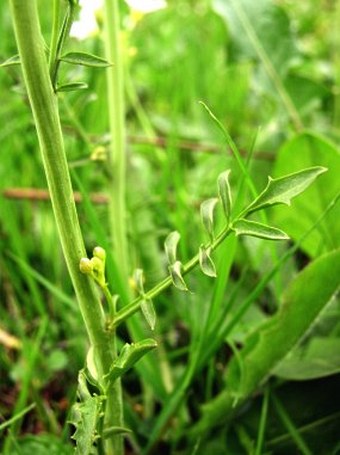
{"x":44,"y":106}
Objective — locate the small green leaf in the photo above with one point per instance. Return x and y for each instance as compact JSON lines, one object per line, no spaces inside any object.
{"x":207,"y":215}
{"x":129,"y":355}
{"x":149,"y":312}
{"x":283,"y":189}
{"x":176,"y":276}
{"x":224,"y":192}
{"x":72,"y":86}
{"x":138,"y":278}
{"x":146,"y":305}
{"x":254,"y":229}
{"x":170,"y":246}
{"x":12,"y":61}
{"x":206,"y":263}
{"x":85,"y":59}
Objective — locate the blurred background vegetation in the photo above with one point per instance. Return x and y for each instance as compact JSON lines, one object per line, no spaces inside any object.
{"x":269,"y":70}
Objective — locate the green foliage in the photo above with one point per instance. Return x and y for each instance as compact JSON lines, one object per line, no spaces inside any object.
{"x":266,"y":323}
{"x":85,"y":417}
{"x":305,"y":150}
{"x":129,"y":355}
{"x":302,"y":303}
{"x":283,"y":189}
{"x":254,"y":229}
{"x":85,"y":59}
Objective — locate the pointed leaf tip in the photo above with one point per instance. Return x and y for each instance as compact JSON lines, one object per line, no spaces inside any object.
{"x":283,"y":189}
{"x":254,"y":229}
{"x":207,"y":215}
{"x":170,"y":246}
{"x":206,"y":263}
{"x":176,"y":276}
{"x":224,"y":192}
{"x":149,"y":312}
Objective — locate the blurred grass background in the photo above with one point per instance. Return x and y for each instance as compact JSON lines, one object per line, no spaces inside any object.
{"x":278,"y":96}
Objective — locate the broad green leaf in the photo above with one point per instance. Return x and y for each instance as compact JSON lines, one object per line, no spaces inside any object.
{"x":320,"y":358}
{"x":255,"y":229}
{"x":129,"y":355}
{"x":224,"y":192}
{"x":170,"y":246}
{"x":257,"y":28}
{"x":85,"y":59}
{"x":303,"y":301}
{"x":175,"y":270}
{"x":12,"y":61}
{"x":149,"y":312}
{"x":283,"y":189}
{"x":207,"y":215}
{"x":302,"y":151}
{"x":71,"y":86}
{"x":206,"y":263}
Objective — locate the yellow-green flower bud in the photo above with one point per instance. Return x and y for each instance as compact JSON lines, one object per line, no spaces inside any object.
{"x":100,"y":253}
{"x":86,"y":266}
{"x":97,"y":264}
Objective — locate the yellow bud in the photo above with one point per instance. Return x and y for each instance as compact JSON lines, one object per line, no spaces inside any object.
{"x":99,"y":253}
{"x":85,"y":266}
{"x":97,"y":264}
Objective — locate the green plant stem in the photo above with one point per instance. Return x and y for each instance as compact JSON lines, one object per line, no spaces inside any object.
{"x":117,"y":130}
{"x":44,"y":106}
{"x":117,"y":161}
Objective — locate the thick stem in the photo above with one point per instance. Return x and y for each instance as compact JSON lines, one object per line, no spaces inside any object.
{"x":44,"y":106}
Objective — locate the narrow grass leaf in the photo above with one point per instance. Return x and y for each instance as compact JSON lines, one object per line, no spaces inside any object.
{"x":206,"y":263}
{"x":16,"y":417}
{"x":283,"y":189}
{"x":255,"y":229}
{"x":207,"y":215}
{"x":224,"y":192}
{"x":85,"y":59}
{"x":14,"y":60}
{"x":72,"y":86}
{"x":176,"y":276}
{"x":170,"y":246}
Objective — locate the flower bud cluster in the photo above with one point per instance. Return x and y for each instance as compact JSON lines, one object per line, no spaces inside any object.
{"x":95,"y":267}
